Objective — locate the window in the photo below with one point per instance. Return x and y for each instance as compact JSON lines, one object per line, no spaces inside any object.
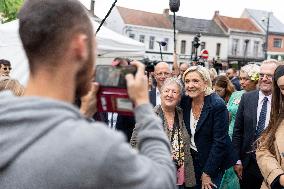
{"x":274,"y":57}
{"x":165,"y":48}
{"x":277,"y":43}
{"x":202,"y":45}
{"x":152,"y":42}
{"x":255,"y":48}
{"x":142,"y":38}
{"x":235,"y":47}
{"x":218,"y":49}
{"x":132,"y":36}
{"x":183,"y":47}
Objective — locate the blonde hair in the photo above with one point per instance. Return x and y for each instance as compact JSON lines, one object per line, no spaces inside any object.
{"x":205,"y":75}
{"x":7,"y":83}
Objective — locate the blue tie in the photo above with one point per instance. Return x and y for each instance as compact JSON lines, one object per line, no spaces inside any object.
{"x":262,"y":118}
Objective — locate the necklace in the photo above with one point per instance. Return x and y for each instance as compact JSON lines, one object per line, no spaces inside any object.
{"x":196,"y":111}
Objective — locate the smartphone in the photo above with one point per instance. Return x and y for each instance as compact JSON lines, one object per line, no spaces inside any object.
{"x":112,"y":95}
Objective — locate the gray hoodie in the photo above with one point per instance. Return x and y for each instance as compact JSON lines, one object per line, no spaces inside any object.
{"x":46,"y":143}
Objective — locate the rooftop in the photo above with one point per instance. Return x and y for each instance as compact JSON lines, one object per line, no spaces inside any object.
{"x":259,"y":17}
{"x":193,"y":25}
{"x":142,"y":18}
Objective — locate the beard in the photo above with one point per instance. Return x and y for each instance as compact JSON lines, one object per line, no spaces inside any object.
{"x":84,"y":76}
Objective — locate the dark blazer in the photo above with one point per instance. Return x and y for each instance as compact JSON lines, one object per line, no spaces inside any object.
{"x":245,"y":125}
{"x":152,"y":96}
{"x":126,"y":124}
{"x":211,"y":138}
{"x":236,"y":83}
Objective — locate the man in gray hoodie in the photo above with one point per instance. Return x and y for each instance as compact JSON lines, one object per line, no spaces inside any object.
{"x":45,"y":142}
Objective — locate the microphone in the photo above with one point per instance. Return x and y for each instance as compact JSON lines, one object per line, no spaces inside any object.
{"x":162,"y":43}
{"x":174,"y":5}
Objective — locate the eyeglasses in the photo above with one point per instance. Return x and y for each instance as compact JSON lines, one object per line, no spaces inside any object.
{"x":5,"y":68}
{"x":268,"y":76}
{"x":167,"y":91}
{"x":166,"y":74}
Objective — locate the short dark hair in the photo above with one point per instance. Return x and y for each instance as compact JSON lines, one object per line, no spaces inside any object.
{"x":5,"y":62}
{"x":46,"y":27}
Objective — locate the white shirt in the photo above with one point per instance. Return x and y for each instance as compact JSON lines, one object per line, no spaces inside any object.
{"x":259,"y":106}
{"x":193,"y":124}
{"x":158,"y":97}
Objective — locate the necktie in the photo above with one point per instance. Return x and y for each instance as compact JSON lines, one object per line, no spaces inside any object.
{"x":262,"y":118}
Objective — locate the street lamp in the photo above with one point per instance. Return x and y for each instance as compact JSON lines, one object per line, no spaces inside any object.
{"x":267,"y":19}
{"x":245,"y":51}
{"x":196,"y":44}
{"x":161,"y":43}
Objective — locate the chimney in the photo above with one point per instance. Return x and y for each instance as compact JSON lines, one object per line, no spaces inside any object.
{"x":92,"y":8}
{"x":166,"y":12}
{"x":216,"y":13}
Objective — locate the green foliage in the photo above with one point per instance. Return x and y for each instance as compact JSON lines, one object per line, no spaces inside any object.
{"x":9,"y":9}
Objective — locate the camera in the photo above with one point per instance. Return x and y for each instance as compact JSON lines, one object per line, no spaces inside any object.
{"x":112,"y":95}
{"x":149,"y":65}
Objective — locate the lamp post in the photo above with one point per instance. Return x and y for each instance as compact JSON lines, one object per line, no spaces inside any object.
{"x":161,"y":43}
{"x":267,"y":19}
{"x":245,"y":51}
{"x":196,"y":44}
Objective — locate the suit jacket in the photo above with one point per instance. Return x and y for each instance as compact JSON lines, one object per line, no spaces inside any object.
{"x":126,"y":124}
{"x":152,"y":96}
{"x":245,"y":125}
{"x":236,"y":83}
{"x":272,"y":166}
{"x":211,"y":136}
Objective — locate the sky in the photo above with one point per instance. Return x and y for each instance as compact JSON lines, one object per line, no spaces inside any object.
{"x":203,"y":9}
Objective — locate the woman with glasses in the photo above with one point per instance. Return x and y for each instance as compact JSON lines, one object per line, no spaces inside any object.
{"x":173,"y":123}
{"x":223,"y":87}
{"x":270,"y":151}
{"x":249,"y":76}
{"x":206,"y":119}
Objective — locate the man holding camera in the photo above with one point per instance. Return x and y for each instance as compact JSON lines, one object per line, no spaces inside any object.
{"x":45,"y":142}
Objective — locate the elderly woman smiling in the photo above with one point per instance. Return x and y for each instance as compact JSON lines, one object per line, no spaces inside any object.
{"x":173,"y":122}
{"x":206,"y":120}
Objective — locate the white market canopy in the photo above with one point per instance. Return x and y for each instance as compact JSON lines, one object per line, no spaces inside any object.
{"x":109,"y":45}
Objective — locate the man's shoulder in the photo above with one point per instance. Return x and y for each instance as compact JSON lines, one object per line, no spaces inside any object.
{"x":251,"y":94}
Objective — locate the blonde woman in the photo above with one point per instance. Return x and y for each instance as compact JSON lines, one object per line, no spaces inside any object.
{"x":206,"y":119}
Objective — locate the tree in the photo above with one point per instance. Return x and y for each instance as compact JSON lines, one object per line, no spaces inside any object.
{"x":9,"y":9}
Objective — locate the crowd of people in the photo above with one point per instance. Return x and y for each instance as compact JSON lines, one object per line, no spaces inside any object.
{"x":191,"y":129}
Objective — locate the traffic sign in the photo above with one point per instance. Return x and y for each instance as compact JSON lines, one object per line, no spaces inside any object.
{"x":204,"y":54}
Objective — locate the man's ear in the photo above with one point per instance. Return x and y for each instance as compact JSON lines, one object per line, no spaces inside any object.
{"x":80,"y":47}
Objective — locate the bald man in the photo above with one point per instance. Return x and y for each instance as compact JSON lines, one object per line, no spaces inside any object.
{"x":161,"y":73}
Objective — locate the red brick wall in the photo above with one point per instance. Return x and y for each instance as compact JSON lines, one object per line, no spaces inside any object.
{"x":270,"y":43}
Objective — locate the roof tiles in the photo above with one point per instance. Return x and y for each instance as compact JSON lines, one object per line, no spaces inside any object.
{"x":142,"y":18}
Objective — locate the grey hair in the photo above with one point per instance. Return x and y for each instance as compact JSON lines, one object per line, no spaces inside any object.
{"x":172,"y":80}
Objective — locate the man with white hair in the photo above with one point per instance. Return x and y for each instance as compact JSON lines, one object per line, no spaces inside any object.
{"x":252,"y":118}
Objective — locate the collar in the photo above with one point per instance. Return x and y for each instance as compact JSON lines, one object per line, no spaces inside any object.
{"x":261,"y":96}
{"x":157,"y":92}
